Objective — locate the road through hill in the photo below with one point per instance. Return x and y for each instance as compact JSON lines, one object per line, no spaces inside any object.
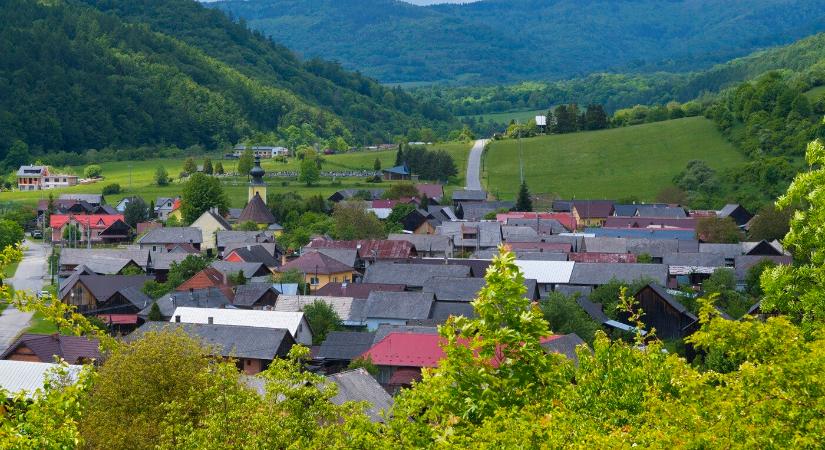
{"x":474,"y":165}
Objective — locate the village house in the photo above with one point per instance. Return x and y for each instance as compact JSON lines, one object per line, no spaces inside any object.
{"x":414,"y":276}
{"x":664,"y":313}
{"x":45,"y":347}
{"x":294,"y":322}
{"x":401,"y":172}
{"x":208,"y":278}
{"x":319,"y":269}
{"x":252,"y":348}
{"x":251,"y":270}
{"x":28,"y":377}
{"x":359,"y":386}
{"x":349,"y":310}
{"x":257,"y":253}
{"x":233,"y":239}
{"x":211,"y":297}
{"x":471,"y":236}
{"x":94,"y":228}
{"x":397,"y":308}
{"x":480,"y":210}
{"x":164,"y":206}
{"x":427,"y":245}
{"x":260,"y":295}
{"x":167,"y":238}
{"x":466,"y":195}
{"x":105,"y":294}
{"x":591,"y":213}
{"x":341,"y":347}
{"x":737,"y":212}
{"x":34,"y":178}
{"x":209,"y":223}
{"x":401,"y":356}
{"x":102,"y":261}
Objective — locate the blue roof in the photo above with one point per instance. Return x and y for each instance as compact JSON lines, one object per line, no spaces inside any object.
{"x":401,"y":170}
{"x":685,"y":235}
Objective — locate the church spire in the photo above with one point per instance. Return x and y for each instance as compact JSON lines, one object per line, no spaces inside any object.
{"x":257,"y":184}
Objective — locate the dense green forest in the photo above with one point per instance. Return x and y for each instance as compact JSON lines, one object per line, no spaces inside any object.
{"x":497,"y":41}
{"x":616,"y":91}
{"x":152,"y":72}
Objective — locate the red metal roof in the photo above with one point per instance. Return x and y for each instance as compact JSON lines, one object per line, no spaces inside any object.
{"x":566,"y":219}
{"x":97,"y":221}
{"x":407,"y":350}
{"x":435,"y":191}
{"x":119,"y":319}
{"x":416,"y":350}
{"x":384,"y":203}
{"x":371,"y":248}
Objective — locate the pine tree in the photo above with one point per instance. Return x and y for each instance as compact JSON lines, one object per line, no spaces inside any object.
{"x":207,"y":166}
{"x":154,"y":313}
{"x":377,"y":165}
{"x":399,"y":157}
{"x":524,"y":203}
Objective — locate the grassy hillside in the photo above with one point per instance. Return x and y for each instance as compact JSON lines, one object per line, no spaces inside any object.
{"x":137,"y":177}
{"x":398,"y":42}
{"x":619,"y":163}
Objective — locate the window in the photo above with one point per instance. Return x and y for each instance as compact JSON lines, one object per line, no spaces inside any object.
{"x":313,"y":281}
{"x":334,"y":279}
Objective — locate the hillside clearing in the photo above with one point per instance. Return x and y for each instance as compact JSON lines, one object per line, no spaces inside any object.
{"x":633,"y":162}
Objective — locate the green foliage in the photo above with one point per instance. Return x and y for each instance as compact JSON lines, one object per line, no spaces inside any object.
{"x":219,"y":170}
{"x":161,"y":176}
{"x":393,"y":224}
{"x":132,"y":269}
{"x":249,"y":225}
{"x":718,"y":230}
{"x":753,"y":284}
{"x":111,"y":189}
{"x":189,"y":166}
{"x":245,"y":162}
{"x":322,"y":319}
{"x":178,"y":273}
{"x":608,"y":294}
{"x":237,"y":279}
{"x":376,"y":166}
{"x":400,"y":190}
{"x":770,"y":223}
{"x":797,"y":290}
{"x":11,"y":233}
{"x":564,"y":315}
{"x":92,"y":171}
{"x":17,"y":155}
{"x":201,"y":193}
{"x":463,"y":43}
{"x":644,"y":258}
{"x":309,"y":173}
{"x":136,"y":211}
{"x":722,"y":286}
{"x":207,"y":166}
{"x":154,"y":313}
{"x":437,"y":165}
{"x":352,"y":221}
{"x":364,"y":363}
{"x":523,"y":200}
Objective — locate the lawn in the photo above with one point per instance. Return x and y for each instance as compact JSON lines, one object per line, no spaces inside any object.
{"x":137,"y":177}
{"x":631,"y":162}
{"x":10,"y":269}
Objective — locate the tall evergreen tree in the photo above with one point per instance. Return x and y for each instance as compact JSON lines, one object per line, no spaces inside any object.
{"x":399,"y":157}
{"x":524,"y":203}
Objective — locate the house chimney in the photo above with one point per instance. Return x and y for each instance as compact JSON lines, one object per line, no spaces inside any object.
{"x":177,"y":319}
{"x":210,"y":320}
{"x":191,"y":291}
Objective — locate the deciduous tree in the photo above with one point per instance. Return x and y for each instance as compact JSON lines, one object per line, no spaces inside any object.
{"x":201,"y":193}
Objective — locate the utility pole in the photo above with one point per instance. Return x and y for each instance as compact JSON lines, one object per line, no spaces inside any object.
{"x":130,"y":176}
{"x":520,"y":155}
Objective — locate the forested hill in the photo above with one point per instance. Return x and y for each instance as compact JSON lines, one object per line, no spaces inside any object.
{"x":506,"y":40}
{"x":804,"y":58}
{"x":83,"y":74}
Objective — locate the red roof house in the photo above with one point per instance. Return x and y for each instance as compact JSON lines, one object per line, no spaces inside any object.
{"x":97,"y":227}
{"x":371,"y":249}
{"x":208,"y":278}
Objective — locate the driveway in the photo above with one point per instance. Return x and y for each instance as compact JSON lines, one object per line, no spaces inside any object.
{"x":474,"y":166}
{"x":29,"y":276}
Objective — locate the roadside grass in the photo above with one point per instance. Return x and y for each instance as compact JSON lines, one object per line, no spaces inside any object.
{"x":630,"y":162}
{"x":136,"y":178}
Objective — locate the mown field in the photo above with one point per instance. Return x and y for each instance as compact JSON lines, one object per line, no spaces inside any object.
{"x":137,"y":177}
{"x":632,"y":162}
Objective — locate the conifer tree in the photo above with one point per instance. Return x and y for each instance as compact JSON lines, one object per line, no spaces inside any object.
{"x":524,"y":203}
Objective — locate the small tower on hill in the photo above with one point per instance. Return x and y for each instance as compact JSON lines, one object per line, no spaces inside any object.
{"x":257,"y":186}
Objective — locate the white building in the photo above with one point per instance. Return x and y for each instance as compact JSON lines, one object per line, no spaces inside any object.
{"x":262,"y":151}
{"x":294,"y":322}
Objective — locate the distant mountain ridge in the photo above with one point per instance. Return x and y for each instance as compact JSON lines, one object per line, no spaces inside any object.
{"x":508,"y":40}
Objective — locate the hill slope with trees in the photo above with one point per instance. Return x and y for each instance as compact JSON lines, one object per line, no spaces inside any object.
{"x":497,"y":41}
{"x":80,"y":75}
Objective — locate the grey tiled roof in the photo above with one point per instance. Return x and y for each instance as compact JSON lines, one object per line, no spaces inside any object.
{"x":694,"y":259}
{"x":346,"y":345}
{"x":172,"y":235}
{"x":245,"y":237}
{"x":359,"y":386}
{"x":477,"y":210}
{"x":726,"y":250}
{"x":231,"y":340}
{"x":489,"y":233}
{"x":163,"y":260}
{"x":443,"y":310}
{"x":199,"y":298}
{"x":466,"y":194}
{"x":543,"y":226}
{"x":602,"y":273}
{"x":104,"y":260}
{"x":424,"y":243}
{"x":248,"y":294}
{"x":249,"y":269}
{"x":415,"y":275}
{"x":399,"y":305}
{"x":605,"y":245}
{"x":454,"y":289}
{"x":565,"y":345}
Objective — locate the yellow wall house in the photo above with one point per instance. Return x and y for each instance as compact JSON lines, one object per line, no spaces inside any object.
{"x":210,"y":222}
{"x":319,"y":269}
{"x":591,"y":213}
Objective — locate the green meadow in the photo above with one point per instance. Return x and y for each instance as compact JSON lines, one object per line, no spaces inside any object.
{"x":635,"y":161}
{"x":137,"y":177}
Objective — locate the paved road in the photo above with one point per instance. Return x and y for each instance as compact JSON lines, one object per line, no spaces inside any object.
{"x":474,"y":165}
{"x":29,"y":276}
